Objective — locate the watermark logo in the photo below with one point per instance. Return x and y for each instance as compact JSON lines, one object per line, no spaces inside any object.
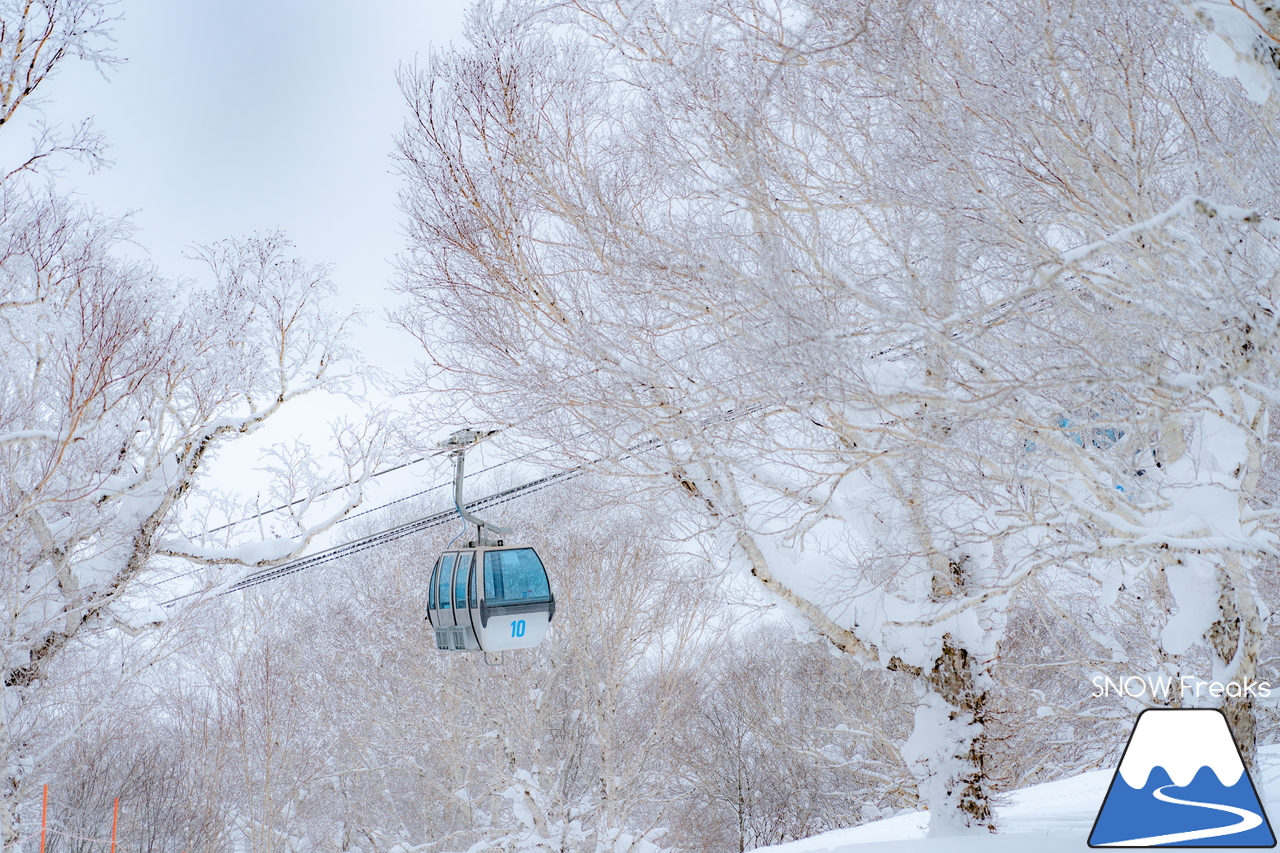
{"x":1154,"y":687}
{"x":1181,"y":783}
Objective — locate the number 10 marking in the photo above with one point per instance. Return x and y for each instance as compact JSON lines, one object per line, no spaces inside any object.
{"x":517,"y":628}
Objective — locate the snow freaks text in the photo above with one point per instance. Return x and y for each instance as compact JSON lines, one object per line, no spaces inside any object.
{"x":1160,"y":686}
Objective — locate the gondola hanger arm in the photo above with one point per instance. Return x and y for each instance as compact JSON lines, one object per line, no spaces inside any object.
{"x":458,"y":443}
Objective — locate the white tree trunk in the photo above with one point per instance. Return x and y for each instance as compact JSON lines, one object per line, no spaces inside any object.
{"x":948,"y":747}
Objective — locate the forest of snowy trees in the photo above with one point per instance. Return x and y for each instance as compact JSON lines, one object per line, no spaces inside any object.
{"x":919,"y":358}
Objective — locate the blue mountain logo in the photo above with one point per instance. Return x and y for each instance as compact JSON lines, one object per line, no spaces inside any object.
{"x":1181,"y":783}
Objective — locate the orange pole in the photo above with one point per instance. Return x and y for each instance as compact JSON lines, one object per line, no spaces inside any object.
{"x":44,"y":813}
{"x":115,"y":816}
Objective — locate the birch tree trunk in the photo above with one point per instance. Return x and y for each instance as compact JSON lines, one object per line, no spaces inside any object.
{"x":949,"y":745}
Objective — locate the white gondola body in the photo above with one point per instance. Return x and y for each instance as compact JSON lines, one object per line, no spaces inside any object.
{"x":490,"y":599}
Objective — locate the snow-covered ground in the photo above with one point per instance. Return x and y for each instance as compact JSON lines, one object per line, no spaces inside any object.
{"x":1056,"y":816}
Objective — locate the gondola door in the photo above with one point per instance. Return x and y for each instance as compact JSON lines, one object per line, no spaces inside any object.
{"x":464,"y":636}
{"x":516,"y":605}
{"x":475,"y":582}
{"x":441,"y":603}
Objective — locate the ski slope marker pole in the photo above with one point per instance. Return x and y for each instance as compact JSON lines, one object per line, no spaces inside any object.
{"x":115,"y":816}
{"x":44,"y":812}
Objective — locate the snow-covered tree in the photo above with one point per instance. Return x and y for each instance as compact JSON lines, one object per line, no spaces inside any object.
{"x":906,"y":301}
{"x":117,"y":388}
{"x":787,"y":740}
{"x":116,"y":396}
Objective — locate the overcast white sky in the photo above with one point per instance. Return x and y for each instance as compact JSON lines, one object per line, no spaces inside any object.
{"x":248,"y":115}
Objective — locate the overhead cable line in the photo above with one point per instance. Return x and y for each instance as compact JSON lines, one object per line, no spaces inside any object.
{"x":373,"y":476}
{"x":399,"y":532}
{"x":418,"y":494}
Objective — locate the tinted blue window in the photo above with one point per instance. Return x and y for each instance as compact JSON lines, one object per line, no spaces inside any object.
{"x":460,"y":582}
{"x":431,"y":587}
{"x":446,"y":574}
{"x":515,"y":575}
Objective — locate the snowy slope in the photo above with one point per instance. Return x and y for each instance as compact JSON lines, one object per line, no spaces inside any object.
{"x":1056,"y":816}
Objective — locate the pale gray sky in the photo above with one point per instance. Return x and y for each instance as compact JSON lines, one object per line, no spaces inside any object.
{"x":248,"y":115}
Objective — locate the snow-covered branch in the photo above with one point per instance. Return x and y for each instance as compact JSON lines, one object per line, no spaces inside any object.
{"x":1242,"y":41}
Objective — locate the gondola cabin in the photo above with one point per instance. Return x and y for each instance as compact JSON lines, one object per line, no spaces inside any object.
{"x":490,"y":599}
